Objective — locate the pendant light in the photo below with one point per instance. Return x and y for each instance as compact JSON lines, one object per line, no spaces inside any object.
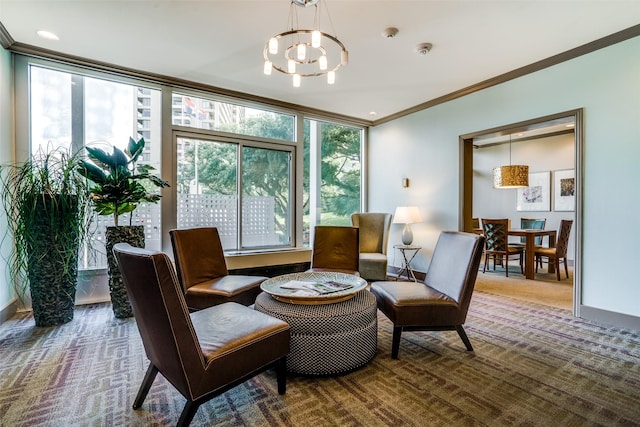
{"x":512,"y":176}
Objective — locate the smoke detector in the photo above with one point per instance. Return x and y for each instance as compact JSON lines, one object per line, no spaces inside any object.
{"x":390,"y":32}
{"x":423,"y":48}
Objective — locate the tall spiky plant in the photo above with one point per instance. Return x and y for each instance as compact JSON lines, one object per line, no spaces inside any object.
{"x":47,"y":207}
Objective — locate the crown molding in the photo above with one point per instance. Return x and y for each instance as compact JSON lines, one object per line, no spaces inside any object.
{"x":593,"y":46}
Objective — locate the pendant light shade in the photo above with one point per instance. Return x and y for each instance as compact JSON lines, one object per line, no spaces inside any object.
{"x":512,"y":176}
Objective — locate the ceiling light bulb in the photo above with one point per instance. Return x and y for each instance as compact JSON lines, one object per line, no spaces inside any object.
{"x":331,"y":77}
{"x":315,"y":39}
{"x":322,"y":62}
{"x":296,"y":80}
{"x":291,"y":66}
{"x":268,"y":66}
{"x":344,"y":57}
{"x":302,"y":51}
{"x":273,"y":45}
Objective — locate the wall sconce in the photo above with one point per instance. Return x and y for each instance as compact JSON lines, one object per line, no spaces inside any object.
{"x":405,"y":182}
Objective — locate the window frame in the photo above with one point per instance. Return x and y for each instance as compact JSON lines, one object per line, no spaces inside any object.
{"x":168,"y":169}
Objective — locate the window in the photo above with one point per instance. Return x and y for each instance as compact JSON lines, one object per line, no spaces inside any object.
{"x":332,"y":174}
{"x":236,"y":165}
{"x":202,"y":113}
{"x":71,"y":110}
{"x":208,"y":192}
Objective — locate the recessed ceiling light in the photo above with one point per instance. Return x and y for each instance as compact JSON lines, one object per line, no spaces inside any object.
{"x":48,"y":35}
{"x":373,"y":113}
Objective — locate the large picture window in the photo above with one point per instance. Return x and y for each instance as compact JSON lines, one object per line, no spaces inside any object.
{"x":333,"y":169}
{"x":251,"y":209}
{"x":265,"y":176}
{"x":72,"y":111}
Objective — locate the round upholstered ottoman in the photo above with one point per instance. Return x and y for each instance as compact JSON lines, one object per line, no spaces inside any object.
{"x":327,"y":338}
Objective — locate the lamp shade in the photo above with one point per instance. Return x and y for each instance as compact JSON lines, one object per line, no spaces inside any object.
{"x":512,"y":176}
{"x":407,"y":215}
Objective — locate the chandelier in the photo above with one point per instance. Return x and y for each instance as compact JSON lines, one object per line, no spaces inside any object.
{"x":302,"y":52}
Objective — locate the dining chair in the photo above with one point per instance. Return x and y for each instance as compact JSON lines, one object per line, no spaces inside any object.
{"x":497,"y":244}
{"x":202,"y":354}
{"x":559,"y":253}
{"x":336,"y":248}
{"x":530,"y":224}
{"x":202,"y":270}
{"x":441,"y":302}
{"x":374,"y":238}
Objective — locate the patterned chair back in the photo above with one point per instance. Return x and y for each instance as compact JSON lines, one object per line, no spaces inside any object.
{"x":495,"y":233}
{"x":563,"y":238}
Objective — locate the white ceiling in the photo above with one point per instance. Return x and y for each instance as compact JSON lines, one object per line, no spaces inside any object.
{"x":220,"y":43}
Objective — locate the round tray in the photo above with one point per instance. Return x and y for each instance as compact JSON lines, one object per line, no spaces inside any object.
{"x":273,"y":287}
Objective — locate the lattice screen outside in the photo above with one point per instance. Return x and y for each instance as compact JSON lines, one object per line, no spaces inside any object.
{"x":194,"y":210}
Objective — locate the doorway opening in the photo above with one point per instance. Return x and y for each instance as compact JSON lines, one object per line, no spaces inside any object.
{"x":552,"y":146}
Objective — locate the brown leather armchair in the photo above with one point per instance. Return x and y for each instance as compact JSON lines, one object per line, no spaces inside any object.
{"x":374,"y":238}
{"x":336,"y":248}
{"x":442,"y":301}
{"x":202,"y":354}
{"x":202,"y":270}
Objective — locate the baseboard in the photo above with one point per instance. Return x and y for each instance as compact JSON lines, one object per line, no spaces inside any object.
{"x":7,"y":312}
{"x":607,"y":317}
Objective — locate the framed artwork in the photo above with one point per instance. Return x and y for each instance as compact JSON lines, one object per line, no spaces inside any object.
{"x":564,"y":190}
{"x":537,"y":196}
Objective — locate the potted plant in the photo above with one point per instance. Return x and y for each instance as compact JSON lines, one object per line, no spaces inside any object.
{"x":48,"y":214}
{"x":119,"y":186}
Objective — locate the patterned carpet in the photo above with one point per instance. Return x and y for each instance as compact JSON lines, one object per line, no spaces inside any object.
{"x":533,"y":366}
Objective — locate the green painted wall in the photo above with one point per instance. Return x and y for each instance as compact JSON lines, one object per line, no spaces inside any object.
{"x":424,"y":148}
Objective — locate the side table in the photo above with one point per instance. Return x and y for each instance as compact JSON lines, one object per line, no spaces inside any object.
{"x":408,"y":252}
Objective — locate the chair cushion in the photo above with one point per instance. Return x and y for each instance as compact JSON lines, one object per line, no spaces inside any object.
{"x":414,"y":303}
{"x":548,"y":252}
{"x":237,"y":339}
{"x":240,"y":289}
{"x":373,"y":266}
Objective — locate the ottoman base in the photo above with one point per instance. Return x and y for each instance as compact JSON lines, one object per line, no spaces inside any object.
{"x":330,"y":338}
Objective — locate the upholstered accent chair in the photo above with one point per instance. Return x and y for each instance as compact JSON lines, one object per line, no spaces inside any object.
{"x":336,"y":248}
{"x":497,"y":244}
{"x":204,"y":353}
{"x":374,"y":238}
{"x":559,"y":253}
{"x":202,"y":270}
{"x":442,"y":301}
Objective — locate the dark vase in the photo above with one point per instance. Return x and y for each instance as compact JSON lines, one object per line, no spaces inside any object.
{"x":134,"y":235}
{"x":53,"y":257}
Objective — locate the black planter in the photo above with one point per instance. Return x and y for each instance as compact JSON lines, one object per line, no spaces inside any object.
{"x":53,"y":257}
{"x":134,"y":235}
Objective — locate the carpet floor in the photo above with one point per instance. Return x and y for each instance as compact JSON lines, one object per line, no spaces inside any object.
{"x":533,"y":365}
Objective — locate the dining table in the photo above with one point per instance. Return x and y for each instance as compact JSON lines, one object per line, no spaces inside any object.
{"x":530,"y":248}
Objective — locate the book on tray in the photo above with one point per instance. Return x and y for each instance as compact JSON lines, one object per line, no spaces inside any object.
{"x":314,"y":288}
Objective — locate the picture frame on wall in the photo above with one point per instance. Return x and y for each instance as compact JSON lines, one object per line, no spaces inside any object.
{"x":564,"y":190}
{"x":537,"y":196}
